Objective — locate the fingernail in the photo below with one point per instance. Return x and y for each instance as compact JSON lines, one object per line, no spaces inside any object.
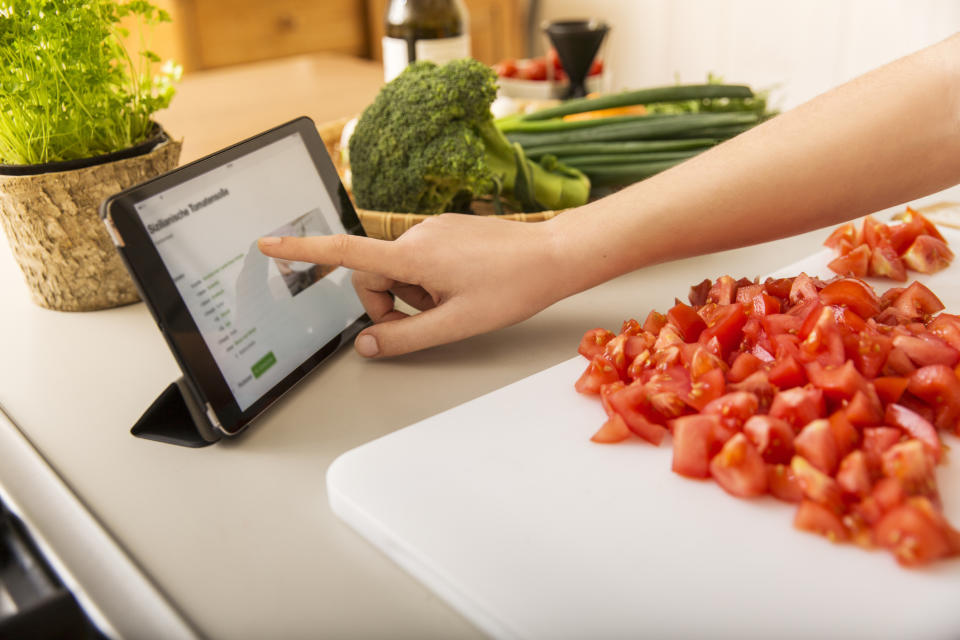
{"x":367,"y":346}
{"x":269,"y":240}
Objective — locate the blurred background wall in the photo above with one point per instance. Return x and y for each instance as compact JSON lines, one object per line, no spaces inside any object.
{"x":800,"y":47}
{"x":803,"y":47}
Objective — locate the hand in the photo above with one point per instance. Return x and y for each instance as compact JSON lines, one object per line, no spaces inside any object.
{"x":467,"y":274}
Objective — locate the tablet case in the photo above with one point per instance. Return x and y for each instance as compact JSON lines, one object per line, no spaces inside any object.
{"x":173,"y":418}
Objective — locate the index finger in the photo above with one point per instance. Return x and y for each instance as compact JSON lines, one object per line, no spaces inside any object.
{"x":353,"y":252}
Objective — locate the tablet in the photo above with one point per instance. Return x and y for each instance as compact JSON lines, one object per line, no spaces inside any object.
{"x":243,"y":327}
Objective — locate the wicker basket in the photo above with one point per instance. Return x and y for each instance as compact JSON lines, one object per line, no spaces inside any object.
{"x":53,"y":226}
{"x":388,"y":225}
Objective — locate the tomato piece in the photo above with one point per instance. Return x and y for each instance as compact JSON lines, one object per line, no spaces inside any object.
{"x":927,"y":255}
{"x":885,"y":263}
{"x":870,"y":351}
{"x":686,"y":320}
{"x":726,"y":328}
{"x":613,"y":430}
{"x":912,"y":465}
{"x":598,"y":373}
{"x":786,"y":372}
{"x":778,"y":287}
{"x":838,"y":383}
{"x":917,"y":301}
{"x":845,"y":434}
{"x":772,"y":437}
{"x":816,"y":485}
{"x":853,"y":476}
{"x":890,"y":388}
{"x":928,"y":227}
{"x":593,"y":343}
{"x":744,"y":365}
{"x":939,"y":386}
{"x":846,"y":232}
{"x":914,"y":424}
{"x":876,"y":440}
{"x":927,"y":350}
{"x":816,"y":518}
{"x":898,"y":364}
{"x":606,"y":391}
{"x":632,"y":404}
{"x":874,"y":233}
{"x":824,"y":342}
{"x":946,"y":326}
{"x":532,"y":69}
{"x":506,"y":68}
{"x":698,"y":293}
{"x":855,"y":294}
{"x":778,"y":323}
{"x":804,"y":288}
{"x":739,"y":469}
{"x":912,"y":536}
{"x":723,"y":291}
{"x":637,"y":344}
{"x":734,"y":408}
{"x":654,"y":322}
{"x":759,"y":385}
{"x":856,"y":263}
{"x":798,"y":406}
{"x":865,"y":408}
{"x":902,"y":235}
{"x":696,"y":439}
{"x":705,"y":389}
{"x":816,"y":444}
{"x":782,"y":484}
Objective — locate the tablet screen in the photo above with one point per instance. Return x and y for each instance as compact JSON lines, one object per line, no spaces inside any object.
{"x":260,"y":317}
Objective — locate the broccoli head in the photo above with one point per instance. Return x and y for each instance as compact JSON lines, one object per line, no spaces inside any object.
{"x":427,"y":144}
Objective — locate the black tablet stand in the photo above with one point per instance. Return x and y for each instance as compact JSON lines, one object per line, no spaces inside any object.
{"x":173,"y":418}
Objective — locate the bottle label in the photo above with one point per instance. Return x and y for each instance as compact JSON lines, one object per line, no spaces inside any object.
{"x":440,"y":50}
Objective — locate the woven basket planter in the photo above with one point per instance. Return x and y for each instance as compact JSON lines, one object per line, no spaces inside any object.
{"x":53,"y":225}
{"x":388,"y":225}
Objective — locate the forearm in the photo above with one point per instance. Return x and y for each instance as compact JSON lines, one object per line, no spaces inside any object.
{"x":884,"y":138}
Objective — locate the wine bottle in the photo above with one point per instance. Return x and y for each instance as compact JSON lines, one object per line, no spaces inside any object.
{"x":435,"y":30}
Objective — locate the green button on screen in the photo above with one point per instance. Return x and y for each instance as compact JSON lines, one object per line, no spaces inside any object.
{"x":264,"y":363}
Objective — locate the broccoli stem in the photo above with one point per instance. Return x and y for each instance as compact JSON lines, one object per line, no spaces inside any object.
{"x":561,"y":188}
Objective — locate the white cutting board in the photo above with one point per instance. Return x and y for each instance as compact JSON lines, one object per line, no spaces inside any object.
{"x":505,"y":509}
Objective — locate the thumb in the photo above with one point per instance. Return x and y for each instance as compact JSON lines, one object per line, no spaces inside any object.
{"x":405,"y":334}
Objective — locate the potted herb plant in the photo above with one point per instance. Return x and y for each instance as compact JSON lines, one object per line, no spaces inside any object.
{"x":76,"y":126}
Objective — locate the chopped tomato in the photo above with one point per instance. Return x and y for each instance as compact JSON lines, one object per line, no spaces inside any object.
{"x":654,"y":322}
{"x":726,"y":328}
{"x":739,"y":469}
{"x":816,"y":443}
{"x":593,"y":342}
{"x":613,"y":430}
{"x":632,"y":404}
{"x":686,"y":320}
{"x":782,"y":484}
{"x":912,"y":536}
{"x":772,"y":437}
{"x":744,"y":365}
{"x":733,"y":409}
{"x":928,"y":255}
{"x":911,"y":464}
{"x":844,"y":433}
{"x":917,"y":301}
{"x":853,"y":475}
{"x":786,"y":372}
{"x":890,"y":388}
{"x":865,"y":408}
{"x":854,"y":294}
{"x":927,"y":350}
{"x":706,"y":388}
{"x":885,"y":263}
{"x":816,"y":485}
{"x":846,"y":232}
{"x":876,"y":440}
{"x":599,"y":372}
{"x":814,"y":517}
{"x":696,"y":439}
{"x":798,"y":406}
{"x":912,"y":423}
{"x":856,"y":263}
{"x":838,"y":383}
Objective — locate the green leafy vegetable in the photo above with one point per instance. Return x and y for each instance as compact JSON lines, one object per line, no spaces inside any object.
{"x":428,"y":144}
{"x":68,"y":87}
